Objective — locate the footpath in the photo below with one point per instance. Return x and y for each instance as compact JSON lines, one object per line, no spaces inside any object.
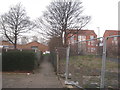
{"x":44,"y":77}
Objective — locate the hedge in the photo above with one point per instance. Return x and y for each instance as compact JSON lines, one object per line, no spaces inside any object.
{"x":18,"y":60}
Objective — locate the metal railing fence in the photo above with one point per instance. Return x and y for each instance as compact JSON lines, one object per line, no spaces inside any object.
{"x":90,"y":63}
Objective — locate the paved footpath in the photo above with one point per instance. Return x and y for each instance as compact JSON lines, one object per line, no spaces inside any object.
{"x":44,"y":78}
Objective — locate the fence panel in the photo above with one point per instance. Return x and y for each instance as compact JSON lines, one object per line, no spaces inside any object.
{"x":53,"y":58}
{"x":85,"y":63}
{"x":58,"y":59}
{"x":61,"y":51}
{"x":112,"y":62}
{"x":90,"y":63}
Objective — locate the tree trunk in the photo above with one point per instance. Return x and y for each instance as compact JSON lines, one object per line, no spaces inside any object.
{"x":15,"y":44}
{"x":77,"y":35}
{"x":65,"y":39}
{"x":77,"y":43}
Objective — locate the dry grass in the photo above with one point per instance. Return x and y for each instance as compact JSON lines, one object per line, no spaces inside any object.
{"x":90,"y":66}
{"x":93,"y":62}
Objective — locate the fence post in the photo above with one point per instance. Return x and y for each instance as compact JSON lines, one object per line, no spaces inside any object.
{"x":57,"y":62}
{"x":102,"y":84}
{"x":6,"y":49}
{"x":67,"y":62}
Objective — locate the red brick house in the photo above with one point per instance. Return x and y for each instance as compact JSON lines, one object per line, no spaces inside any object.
{"x":31,"y":45}
{"x":6,"y":44}
{"x":88,"y":46}
{"x":112,"y":43}
{"x":34,"y":45}
{"x":113,"y":40}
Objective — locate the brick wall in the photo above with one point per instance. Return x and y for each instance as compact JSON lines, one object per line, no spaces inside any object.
{"x":84,"y":35}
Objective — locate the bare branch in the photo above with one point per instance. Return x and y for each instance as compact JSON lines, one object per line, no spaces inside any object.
{"x":62,"y":15}
{"x":14,"y":23}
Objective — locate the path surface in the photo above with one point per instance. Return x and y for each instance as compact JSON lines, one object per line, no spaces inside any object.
{"x":44,"y":78}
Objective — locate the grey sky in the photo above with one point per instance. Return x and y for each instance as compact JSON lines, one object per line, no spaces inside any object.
{"x":104,"y":13}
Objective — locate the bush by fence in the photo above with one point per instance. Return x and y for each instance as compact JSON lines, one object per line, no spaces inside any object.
{"x":15,"y":60}
{"x":53,"y":58}
{"x":58,"y":59}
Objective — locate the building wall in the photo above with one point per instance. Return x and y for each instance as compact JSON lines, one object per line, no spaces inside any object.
{"x":112,"y":43}
{"x":7,"y":44}
{"x":88,"y":46}
{"x":111,"y":33}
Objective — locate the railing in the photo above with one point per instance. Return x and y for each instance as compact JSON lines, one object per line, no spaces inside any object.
{"x":90,"y":63}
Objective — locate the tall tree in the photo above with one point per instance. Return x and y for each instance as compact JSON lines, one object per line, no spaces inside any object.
{"x":14,"y":23}
{"x":60,"y":16}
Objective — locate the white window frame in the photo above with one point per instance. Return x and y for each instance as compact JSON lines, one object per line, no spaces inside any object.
{"x":92,"y":36}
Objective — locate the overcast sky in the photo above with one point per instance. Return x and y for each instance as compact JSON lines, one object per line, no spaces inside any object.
{"x":104,"y":13}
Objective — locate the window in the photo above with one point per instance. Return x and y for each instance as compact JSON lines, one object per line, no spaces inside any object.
{"x":92,"y":43}
{"x":101,"y":44}
{"x":112,"y":42}
{"x":115,"y":38}
{"x":79,"y":38}
{"x":5,"y":46}
{"x":34,"y":47}
{"x":92,"y":49}
{"x":91,"y":37}
{"x":83,"y":37}
{"x":72,"y":39}
{"x":116,"y":42}
{"x":88,"y":42}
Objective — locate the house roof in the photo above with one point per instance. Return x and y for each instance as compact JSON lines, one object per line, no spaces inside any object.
{"x":35,"y":42}
{"x":41,"y":47}
{"x":82,"y":32}
{"x":111,"y":32}
{"x":5,"y":42}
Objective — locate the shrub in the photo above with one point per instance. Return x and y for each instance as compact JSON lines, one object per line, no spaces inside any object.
{"x":18,"y":60}
{"x":53,"y":59}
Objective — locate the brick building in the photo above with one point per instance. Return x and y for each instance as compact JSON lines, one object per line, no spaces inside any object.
{"x":113,"y":43}
{"x":113,"y":40}
{"x":86,"y":46}
{"x":6,"y":44}
{"x":31,"y":45}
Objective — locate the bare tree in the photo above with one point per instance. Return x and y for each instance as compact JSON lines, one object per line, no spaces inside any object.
{"x":14,"y":23}
{"x":60,"y":16}
{"x":54,"y":43}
